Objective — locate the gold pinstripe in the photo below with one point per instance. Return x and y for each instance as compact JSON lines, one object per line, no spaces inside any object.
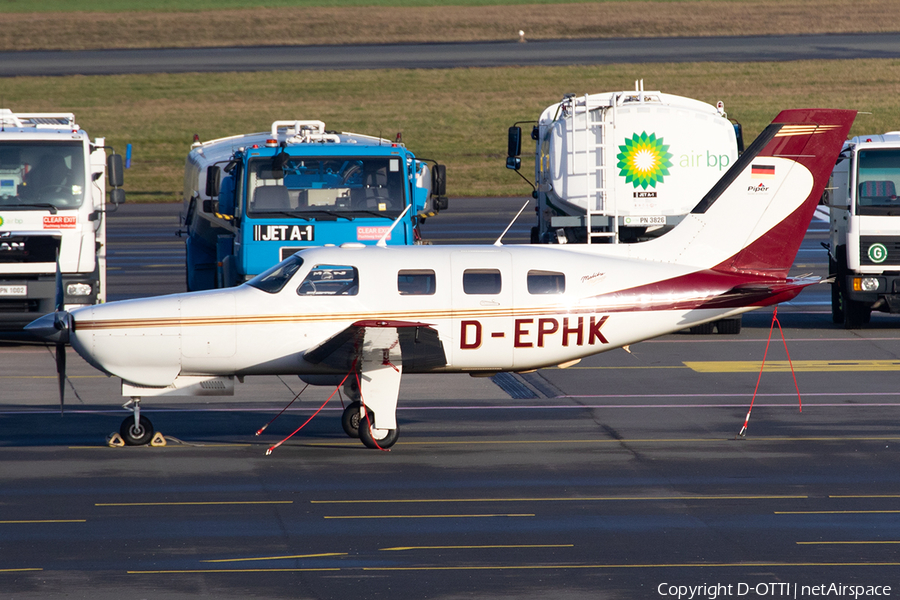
{"x":420,"y":315}
{"x":793,"y":130}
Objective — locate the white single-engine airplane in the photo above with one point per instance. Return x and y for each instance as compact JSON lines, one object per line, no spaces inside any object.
{"x":378,"y":311}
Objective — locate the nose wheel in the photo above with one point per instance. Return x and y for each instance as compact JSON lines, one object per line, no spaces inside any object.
{"x":136,"y":430}
{"x":136,"y":434}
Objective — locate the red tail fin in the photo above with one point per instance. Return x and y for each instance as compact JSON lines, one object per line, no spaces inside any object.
{"x":807,"y":138}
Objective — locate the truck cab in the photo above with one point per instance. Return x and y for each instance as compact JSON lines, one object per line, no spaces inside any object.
{"x":253,"y":200}
{"x":864,"y":249}
{"x":52,"y":210}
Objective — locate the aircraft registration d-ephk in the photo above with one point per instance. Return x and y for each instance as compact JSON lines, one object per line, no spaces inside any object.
{"x":376,"y":311}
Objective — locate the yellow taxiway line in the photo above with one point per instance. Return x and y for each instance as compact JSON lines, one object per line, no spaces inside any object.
{"x":837,"y":512}
{"x":224,"y":560}
{"x":239,"y":502}
{"x":846,"y":543}
{"x":209,"y":571}
{"x":637,"y":566}
{"x":32,"y":521}
{"x":502,"y":546}
{"x":427,"y":516}
{"x":560,"y":499}
{"x":800,"y":366}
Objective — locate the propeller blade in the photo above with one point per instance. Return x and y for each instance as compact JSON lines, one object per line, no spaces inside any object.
{"x":60,"y":297}
{"x":61,"y":374}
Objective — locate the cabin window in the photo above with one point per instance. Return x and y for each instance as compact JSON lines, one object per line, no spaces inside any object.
{"x":330,"y":280}
{"x":482,"y":281}
{"x":546,"y":282}
{"x":274,"y":279}
{"x":419,"y":282}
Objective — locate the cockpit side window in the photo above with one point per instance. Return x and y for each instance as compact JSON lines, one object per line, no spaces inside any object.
{"x":274,"y":279}
{"x":546,"y":282}
{"x":330,"y":280}
{"x":416,"y":282}
{"x":482,"y":281}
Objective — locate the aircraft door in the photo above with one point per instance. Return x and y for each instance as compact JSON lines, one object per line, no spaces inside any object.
{"x":482,"y":293}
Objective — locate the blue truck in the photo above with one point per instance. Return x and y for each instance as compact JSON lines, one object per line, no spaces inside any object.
{"x":252,"y":200}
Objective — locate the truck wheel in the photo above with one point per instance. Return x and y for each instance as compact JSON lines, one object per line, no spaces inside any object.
{"x":856,"y":314}
{"x":837,"y":306}
{"x":704,"y":329}
{"x":729,"y":326}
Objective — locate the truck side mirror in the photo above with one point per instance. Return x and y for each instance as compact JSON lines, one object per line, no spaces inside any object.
{"x":514,"y":145}
{"x":114,"y":170}
{"x":439,"y":181}
{"x":117,"y":196}
{"x":213,"y":180}
{"x":739,"y":134}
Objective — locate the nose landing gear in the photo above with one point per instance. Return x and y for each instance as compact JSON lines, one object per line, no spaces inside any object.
{"x":136,"y":430}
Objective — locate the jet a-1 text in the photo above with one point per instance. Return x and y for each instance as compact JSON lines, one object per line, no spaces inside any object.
{"x":376,"y":312}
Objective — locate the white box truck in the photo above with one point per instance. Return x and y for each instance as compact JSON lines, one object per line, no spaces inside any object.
{"x":864,"y":245}
{"x":53,"y":200}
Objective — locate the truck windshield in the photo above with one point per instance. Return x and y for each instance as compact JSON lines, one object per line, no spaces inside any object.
{"x":41,"y":175}
{"x":877,"y":182}
{"x":327,"y":186}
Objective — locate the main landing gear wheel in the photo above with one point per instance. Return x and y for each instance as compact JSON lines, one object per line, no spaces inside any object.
{"x":139,"y":435}
{"x":350,"y":419}
{"x":376,"y":438}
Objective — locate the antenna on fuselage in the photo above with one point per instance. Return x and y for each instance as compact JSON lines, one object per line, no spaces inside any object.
{"x":498,"y":242}
{"x":383,"y":241}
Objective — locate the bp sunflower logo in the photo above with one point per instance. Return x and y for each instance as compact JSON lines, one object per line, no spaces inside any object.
{"x":644,"y":160}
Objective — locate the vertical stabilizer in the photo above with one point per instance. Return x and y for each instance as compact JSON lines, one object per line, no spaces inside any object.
{"x":753,"y":220}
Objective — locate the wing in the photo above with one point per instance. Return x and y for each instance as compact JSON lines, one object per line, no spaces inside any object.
{"x":421,"y":348}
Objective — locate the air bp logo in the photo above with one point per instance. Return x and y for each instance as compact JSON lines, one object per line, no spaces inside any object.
{"x":1,"y":221}
{"x":877,"y":253}
{"x":644,"y":160}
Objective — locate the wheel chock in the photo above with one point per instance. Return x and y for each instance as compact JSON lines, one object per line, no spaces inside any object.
{"x":157,"y":440}
{"x":114,"y":440}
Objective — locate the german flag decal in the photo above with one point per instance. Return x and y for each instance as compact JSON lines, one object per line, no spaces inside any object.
{"x":763,"y":171}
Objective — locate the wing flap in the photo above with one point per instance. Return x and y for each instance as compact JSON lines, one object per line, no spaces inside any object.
{"x":421,"y":348}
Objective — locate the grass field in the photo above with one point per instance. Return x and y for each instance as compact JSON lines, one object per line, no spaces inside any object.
{"x":195,"y":5}
{"x":160,"y":23}
{"x":458,"y":117}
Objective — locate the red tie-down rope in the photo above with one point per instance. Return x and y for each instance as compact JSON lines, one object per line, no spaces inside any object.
{"x":366,"y":412}
{"x":352,"y":369}
{"x":263,"y":428}
{"x":763,"y":366}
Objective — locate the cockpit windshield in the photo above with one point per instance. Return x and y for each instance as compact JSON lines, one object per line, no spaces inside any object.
{"x":877,"y":182}
{"x":274,"y":279}
{"x":41,"y":175}
{"x":336,"y":186}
